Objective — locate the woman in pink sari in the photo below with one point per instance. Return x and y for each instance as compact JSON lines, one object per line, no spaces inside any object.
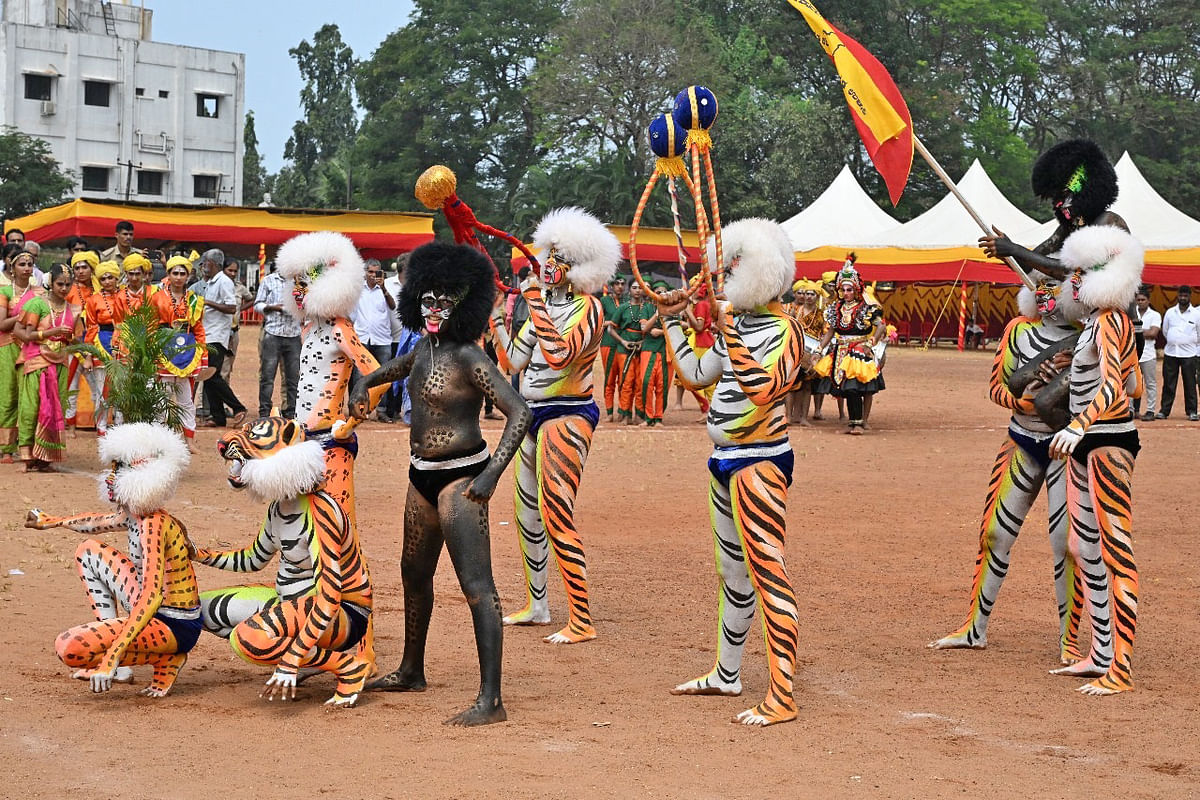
{"x":45,"y":326}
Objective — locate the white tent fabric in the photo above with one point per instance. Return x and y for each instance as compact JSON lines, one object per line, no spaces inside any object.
{"x":1153,"y":220}
{"x":844,"y":216}
{"x":948,"y":224}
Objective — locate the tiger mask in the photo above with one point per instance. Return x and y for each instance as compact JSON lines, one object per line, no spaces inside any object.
{"x":272,"y":458}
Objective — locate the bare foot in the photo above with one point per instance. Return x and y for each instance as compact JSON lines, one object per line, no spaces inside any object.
{"x":959,"y":639}
{"x":801,"y":423}
{"x":709,"y":685}
{"x":855,"y":431}
{"x":397,"y":681}
{"x":529,"y":615}
{"x":1104,"y":686}
{"x":484,"y":712}
{"x":762,"y":715}
{"x":572,"y":634}
{"x":1069,"y":653}
{"x":1081,"y":669}
{"x":6,"y":458}
{"x":818,"y":417}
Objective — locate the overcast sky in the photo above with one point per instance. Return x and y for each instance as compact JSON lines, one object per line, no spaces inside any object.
{"x":264,"y":31}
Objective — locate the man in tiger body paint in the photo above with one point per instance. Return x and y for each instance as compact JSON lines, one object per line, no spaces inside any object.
{"x":557,"y":347}
{"x":756,"y":361}
{"x":1022,"y":467}
{"x":612,"y":350}
{"x":153,"y":585}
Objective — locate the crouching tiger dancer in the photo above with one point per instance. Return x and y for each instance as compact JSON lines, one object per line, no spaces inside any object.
{"x":153,"y":585}
{"x":556,"y":348}
{"x":756,"y":361}
{"x":321,"y":629}
{"x":1100,"y":445}
{"x":448,"y":292}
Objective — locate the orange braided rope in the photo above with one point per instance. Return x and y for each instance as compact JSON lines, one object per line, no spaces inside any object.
{"x":637,"y":220}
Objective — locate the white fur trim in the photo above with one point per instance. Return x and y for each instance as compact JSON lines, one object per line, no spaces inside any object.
{"x":1112,"y":261}
{"x":291,"y":472}
{"x":147,"y":486}
{"x":336,"y":292}
{"x":767,"y":266}
{"x":585,"y":243}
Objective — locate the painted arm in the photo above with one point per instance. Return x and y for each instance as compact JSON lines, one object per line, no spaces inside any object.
{"x":80,"y":523}
{"x":693,"y":372}
{"x":248,"y":559}
{"x":513,"y":353}
{"x":487,"y":377}
{"x":348,"y":342}
{"x":1003,"y":365}
{"x":397,"y":369}
{"x":764,"y":385}
{"x":561,"y":349}
{"x":152,"y":532}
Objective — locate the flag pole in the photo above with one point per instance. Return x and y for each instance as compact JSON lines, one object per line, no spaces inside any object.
{"x":941,"y":173}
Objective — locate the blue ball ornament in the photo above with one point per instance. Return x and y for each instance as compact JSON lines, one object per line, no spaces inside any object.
{"x":695,"y":108}
{"x":667,"y":138}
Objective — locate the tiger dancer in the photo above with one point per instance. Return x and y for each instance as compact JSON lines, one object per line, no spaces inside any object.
{"x":146,"y":603}
{"x":1022,"y":467}
{"x":757,"y":360}
{"x":1100,"y":445}
{"x":557,"y":348}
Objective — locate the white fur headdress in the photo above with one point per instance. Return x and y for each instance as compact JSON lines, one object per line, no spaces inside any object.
{"x":335,"y":289}
{"x":1111,"y":262}
{"x":291,"y":472}
{"x":583,"y":242}
{"x":153,"y":458}
{"x":766,"y":262}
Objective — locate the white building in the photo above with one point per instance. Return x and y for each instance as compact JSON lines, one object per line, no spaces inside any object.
{"x":131,"y":118}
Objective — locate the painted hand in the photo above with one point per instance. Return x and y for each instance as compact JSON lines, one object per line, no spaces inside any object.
{"x":101,"y":681}
{"x":34,"y":519}
{"x":343,"y":428}
{"x":359,"y":404}
{"x":480,"y":490}
{"x":997,"y":246}
{"x":280,"y":681}
{"x":1064,"y":443}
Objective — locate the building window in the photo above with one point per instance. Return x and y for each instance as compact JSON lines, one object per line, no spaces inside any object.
{"x":139,"y":92}
{"x":208,"y":105}
{"x":206,"y":186}
{"x":96,"y":93}
{"x":95,"y":179}
{"x":163,"y":94}
{"x":150,"y":182}
{"x":37,"y":87}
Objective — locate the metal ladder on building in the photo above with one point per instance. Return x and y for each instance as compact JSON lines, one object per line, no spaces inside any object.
{"x":110,"y":23}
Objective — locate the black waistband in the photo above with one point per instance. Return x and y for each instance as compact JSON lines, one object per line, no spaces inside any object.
{"x":106,"y":326}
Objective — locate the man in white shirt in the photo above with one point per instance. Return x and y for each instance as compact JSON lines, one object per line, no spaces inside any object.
{"x":372,"y":317}
{"x":1181,"y":327}
{"x":221,"y":302}
{"x":1151,"y":323}
{"x":279,"y":347}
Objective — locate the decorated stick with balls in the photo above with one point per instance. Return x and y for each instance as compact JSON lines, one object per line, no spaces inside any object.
{"x":667,"y":143}
{"x":695,"y":111}
{"x":436,"y":189}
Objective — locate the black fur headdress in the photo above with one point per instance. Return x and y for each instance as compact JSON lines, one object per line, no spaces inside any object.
{"x":451,"y":269}
{"x":1077,"y":163}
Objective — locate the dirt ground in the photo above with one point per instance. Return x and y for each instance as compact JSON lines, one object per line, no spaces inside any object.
{"x":881,"y":546}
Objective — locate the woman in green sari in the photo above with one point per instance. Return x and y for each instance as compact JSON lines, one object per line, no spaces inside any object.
{"x":13,"y":297}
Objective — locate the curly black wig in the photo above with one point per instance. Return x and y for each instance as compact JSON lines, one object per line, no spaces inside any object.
{"x":452,"y":269}
{"x":1059,"y":167}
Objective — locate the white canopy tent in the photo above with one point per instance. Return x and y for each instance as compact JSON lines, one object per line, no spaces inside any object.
{"x":844,"y":216}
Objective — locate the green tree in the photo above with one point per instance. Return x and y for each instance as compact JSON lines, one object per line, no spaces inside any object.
{"x":30,"y":177}
{"x":254,"y":174}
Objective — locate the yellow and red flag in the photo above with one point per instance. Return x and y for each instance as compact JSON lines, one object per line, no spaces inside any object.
{"x":879,"y":111}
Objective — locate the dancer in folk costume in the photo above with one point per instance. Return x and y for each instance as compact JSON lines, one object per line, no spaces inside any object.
{"x":655,"y":372}
{"x":756,"y":361}
{"x":612,"y":350}
{"x":855,"y":327}
{"x":449,"y":293}
{"x":181,"y":309}
{"x":807,"y":311}
{"x":82,"y":265}
{"x":102,"y":312}
{"x":13,"y":298}
{"x":138,"y":290}
{"x":146,"y":602}
{"x":556,"y":349}
{"x":1048,"y":317}
{"x":45,"y":328}
{"x":1100,"y":445}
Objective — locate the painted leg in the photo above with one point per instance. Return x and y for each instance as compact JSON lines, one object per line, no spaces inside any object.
{"x":562,"y":452}
{"x":84,"y":646}
{"x":1014,"y":485}
{"x":422,"y":547}
{"x":759,"y":496}
{"x":222,"y":610}
{"x":735,"y":605}
{"x":466,"y":532}
{"x":111,"y":580}
{"x":1068,"y":580}
{"x":535,"y":550}
{"x":1085,"y":547}
{"x":1110,"y":473}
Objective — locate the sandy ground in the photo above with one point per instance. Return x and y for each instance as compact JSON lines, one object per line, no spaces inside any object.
{"x":881,"y":546}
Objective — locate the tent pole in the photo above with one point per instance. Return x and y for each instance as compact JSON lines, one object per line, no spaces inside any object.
{"x":941,"y":173}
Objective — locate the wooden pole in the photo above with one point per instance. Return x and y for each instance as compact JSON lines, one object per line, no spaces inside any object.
{"x":983,"y":226}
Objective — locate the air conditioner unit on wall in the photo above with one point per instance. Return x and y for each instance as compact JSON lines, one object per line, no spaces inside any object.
{"x":48,"y":108}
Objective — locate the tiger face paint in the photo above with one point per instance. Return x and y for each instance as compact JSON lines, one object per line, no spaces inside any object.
{"x":554,"y":270}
